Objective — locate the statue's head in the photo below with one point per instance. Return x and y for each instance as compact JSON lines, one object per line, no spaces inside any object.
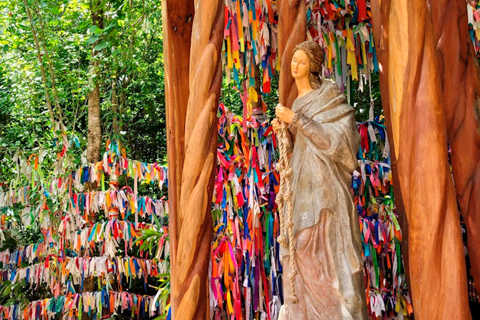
{"x":307,"y":61}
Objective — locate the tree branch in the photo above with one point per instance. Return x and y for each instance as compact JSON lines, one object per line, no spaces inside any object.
{"x":50,"y":66}
{"x":42,"y":69}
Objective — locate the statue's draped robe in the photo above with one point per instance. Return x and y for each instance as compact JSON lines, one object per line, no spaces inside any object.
{"x":330,"y":281}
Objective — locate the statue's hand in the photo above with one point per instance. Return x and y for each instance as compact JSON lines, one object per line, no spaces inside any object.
{"x":284,"y":114}
{"x":276,"y":125}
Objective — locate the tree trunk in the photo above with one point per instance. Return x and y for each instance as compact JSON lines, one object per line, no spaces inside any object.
{"x":436,"y":260}
{"x":292,"y":30}
{"x":197,"y":140}
{"x":94,"y":125}
{"x":459,"y":71}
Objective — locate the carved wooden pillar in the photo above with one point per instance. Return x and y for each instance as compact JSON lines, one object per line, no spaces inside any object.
{"x":458,"y":68}
{"x":193,"y":133}
{"x":177,"y":28}
{"x":381,"y":39}
{"x":418,"y":130}
{"x":292,"y":29}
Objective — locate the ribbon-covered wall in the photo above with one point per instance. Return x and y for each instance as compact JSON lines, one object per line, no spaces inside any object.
{"x":246,"y":273}
{"x":343,"y":29}
{"x":95,"y":236}
{"x":250,"y":40}
{"x":245,"y":269}
{"x":385,"y":281}
{"x":72,"y":306}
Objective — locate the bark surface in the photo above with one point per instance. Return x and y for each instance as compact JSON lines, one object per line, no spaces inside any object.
{"x":459,"y":72}
{"x":415,"y":101}
{"x":192,"y":129}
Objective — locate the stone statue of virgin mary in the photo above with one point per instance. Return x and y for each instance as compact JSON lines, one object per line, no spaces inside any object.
{"x":324,"y":142}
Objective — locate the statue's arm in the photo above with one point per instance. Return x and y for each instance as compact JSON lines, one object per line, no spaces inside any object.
{"x":290,"y":139}
{"x":312,"y":130}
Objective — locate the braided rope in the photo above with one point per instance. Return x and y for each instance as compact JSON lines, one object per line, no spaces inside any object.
{"x":282,"y":238}
{"x":284,"y":202}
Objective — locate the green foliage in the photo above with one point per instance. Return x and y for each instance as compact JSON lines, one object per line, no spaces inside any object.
{"x":129,"y":52}
{"x":126,"y":51}
{"x":148,"y":241}
{"x":361,"y":100}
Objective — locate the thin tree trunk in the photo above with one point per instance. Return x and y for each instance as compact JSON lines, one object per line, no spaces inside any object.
{"x":94,"y":125}
{"x":459,"y":71}
{"x":50,"y":66}
{"x":292,"y":30}
{"x":40,"y":62}
{"x":192,"y":219}
{"x":436,"y":260}
{"x":115,"y":107}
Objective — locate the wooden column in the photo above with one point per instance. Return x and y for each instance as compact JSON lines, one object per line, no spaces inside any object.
{"x":381,"y":38}
{"x":177,"y":28}
{"x":193,"y":90}
{"x":292,"y":29}
{"x":418,"y":130}
{"x":459,"y":72}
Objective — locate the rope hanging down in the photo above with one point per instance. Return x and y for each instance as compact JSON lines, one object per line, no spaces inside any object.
{"x":284,"y":202}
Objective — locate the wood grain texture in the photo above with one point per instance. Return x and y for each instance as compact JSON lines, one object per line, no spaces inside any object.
{"x":195,"y":140}
{"x":412,"y":83}
{"x":380,"y":9}
{"x":458,"y":68}
{"x":177,"y":28}
{"x":292,"y":30}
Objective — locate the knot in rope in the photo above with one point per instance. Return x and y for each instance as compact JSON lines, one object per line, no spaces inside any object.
{"x":279,"y":198}
{"x":288,"y":173}
{"x":282,"y":240}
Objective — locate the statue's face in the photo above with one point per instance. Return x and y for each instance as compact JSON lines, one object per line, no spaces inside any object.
{"x":300,"y":65}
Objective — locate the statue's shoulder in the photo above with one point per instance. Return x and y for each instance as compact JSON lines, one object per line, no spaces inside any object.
{"x":329,"y":90}
{"x":330,"y":86}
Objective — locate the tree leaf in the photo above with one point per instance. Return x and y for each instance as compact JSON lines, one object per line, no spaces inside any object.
{"x":101,"y":45}
{"x":92,"y":39}
{"x":56,"y":10}
{"x":110,"y":26}
{"x":7,"y":290}
{"x":95,"y":30}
